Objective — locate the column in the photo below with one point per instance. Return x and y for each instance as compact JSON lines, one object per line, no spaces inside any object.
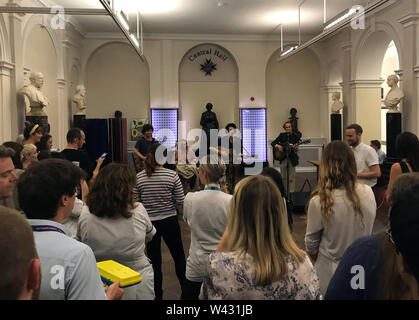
{"x":348,"y":111}
{"x":366,"y":104}
{"x":62,"y":113}
{"x":410,"y":120}
{"x":6,"y":69}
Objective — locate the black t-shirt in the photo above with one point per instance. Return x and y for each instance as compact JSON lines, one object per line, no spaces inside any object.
{"x":83,"y":158}
{"x":142,"y":145}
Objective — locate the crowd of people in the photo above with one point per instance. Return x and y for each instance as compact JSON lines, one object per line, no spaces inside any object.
{"x":62,"y":213}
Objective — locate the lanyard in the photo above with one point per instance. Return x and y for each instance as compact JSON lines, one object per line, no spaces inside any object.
{"x":212,"y":188}
{"x":46,"y":229}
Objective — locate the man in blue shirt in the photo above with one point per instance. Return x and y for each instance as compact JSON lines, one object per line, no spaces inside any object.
{"x":47,"y":191}
{"x":376,"y":145}
{"x":142,"y":145}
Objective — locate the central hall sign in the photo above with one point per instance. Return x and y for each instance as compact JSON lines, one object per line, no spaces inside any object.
{"x":210,"y":51}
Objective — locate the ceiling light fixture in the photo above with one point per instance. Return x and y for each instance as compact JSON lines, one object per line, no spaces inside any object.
{"x":135,"y":40}
{"x":123,"y":19}
{"x":341,"y":17}
{"x":288,"y":51}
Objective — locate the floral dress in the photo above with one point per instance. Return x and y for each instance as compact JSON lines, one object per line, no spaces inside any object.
{"x":230,"y":277}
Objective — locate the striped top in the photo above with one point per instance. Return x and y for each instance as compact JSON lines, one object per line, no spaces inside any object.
{"x":159,"y":193}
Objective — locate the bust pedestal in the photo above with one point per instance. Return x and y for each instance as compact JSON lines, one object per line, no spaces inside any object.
{"x":42,"y":121}
{"x":80,"y":121}
{"x":335,"y":126}
{"x":394,"y":128}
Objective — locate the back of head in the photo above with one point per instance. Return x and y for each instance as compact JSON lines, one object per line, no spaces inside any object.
{"x":407,"y":146}
{"x":209,"y":106}
{"x":72,"y":134}
{"x":17,"y":148}
{"x":356,"y":127}
{"x":402,"y":183}
{"x":30,"y":129}
{"x":155,"y":156}
{"x":214,"y":168}
{"x":112,"y":192}
{"x":17,"y":250}
{"x":337,"y":170}
{"x":404,"y":223}
{"x":28,"y":149}
{"x":258,"y":225}
{"x":41,"y":186}
{"x":276,"y":177}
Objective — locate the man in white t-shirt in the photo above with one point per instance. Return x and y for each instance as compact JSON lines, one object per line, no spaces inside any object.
{"x":366,"y":158}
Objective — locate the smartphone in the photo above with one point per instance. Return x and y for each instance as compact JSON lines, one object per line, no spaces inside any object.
{"x":103,"y":155}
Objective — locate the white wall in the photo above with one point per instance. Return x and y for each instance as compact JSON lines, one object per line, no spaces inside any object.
{"x":116,"y":79}
{"x":294,"y":82}
{"x":40,"y":56}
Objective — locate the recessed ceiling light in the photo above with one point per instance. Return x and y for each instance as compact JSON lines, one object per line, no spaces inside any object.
{"x":221,"y":4}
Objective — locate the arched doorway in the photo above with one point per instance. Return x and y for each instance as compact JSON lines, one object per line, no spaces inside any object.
{"x":378,"y":56}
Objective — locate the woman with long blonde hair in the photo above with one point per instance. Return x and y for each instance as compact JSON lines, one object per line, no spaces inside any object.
{"x":341,"y":210}
{"x":262,"y":260}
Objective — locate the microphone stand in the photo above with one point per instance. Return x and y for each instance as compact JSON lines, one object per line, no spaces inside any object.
{"x":287,"y":153}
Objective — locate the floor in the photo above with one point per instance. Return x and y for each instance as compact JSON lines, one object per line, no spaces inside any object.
{"x":171,"y":287}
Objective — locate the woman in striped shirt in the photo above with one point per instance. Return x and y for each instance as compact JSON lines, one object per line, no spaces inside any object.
{"x":160,"y":191}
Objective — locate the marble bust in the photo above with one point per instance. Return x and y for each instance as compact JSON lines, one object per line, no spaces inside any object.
{"x":34,"y":97}
{"x":395,"y":95}
{"x":337,"y":105}
{"x":79,"y":99}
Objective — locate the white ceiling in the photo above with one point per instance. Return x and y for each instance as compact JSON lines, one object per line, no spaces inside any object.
{"x":244,"y":17}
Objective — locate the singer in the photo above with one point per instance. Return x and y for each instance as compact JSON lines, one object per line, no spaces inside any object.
{"x":285,"y":148}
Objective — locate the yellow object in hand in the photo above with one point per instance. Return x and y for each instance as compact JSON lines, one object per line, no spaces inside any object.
{"x":111,"y":271}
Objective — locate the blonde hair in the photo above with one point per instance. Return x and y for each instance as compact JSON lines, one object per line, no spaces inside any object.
{"x":258,"y":226}
{"x":337,"y":170}
{"x":28,"y":149}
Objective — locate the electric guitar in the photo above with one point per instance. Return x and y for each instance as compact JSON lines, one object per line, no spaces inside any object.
{"x":281,"y":155}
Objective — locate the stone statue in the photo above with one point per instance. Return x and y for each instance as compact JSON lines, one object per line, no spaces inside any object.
{"x":294,"y":121}
{"x":79,"y":100}
{"x":395,"y":95}
{"x":33,"y":93}
{"x":337,"y":105}
{"x":209,"y":119}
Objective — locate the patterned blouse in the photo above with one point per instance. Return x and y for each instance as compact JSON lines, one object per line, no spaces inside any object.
{"x":230,"y":277}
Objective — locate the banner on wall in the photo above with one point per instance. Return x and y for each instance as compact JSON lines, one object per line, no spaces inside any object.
{"x":136,"y":127}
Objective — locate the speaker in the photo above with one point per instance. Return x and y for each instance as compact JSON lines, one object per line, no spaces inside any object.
{"x":299,"y":201}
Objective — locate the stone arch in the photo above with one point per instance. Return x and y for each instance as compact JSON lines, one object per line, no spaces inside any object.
{"x":372,"y":46}
{"x":44,"y":22}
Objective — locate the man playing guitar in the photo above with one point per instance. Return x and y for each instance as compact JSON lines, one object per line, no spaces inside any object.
{"x":285,"y":148}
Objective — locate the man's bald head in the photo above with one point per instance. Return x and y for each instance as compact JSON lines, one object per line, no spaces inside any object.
{"x":19,"y":266}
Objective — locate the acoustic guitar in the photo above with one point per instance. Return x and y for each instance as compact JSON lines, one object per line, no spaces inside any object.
{"x":281,"y":155}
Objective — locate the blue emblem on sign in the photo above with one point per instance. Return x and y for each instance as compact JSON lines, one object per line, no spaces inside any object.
{"x":208,"y":67}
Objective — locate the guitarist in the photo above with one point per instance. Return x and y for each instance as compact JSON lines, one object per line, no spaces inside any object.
{"x":287,"y":144}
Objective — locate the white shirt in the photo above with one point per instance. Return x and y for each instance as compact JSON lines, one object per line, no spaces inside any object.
{"x":333,"y":238}
{"x":365,"y":157}
{"x":206,"y":213}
